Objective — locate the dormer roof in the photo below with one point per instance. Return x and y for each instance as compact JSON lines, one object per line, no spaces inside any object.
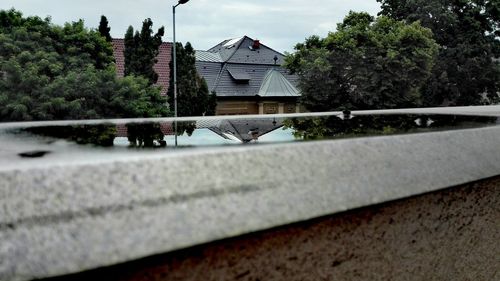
{"x":276,"y":85}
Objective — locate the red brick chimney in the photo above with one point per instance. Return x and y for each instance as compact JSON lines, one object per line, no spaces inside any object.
{"x":256,"y":44}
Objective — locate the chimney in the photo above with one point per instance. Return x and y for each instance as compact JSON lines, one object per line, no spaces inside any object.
{"x":256,"y":44}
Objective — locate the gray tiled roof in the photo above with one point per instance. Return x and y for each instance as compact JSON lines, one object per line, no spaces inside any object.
{"x":241,"y":69}
{"x":239,"y":74}
{"x":263,"y":55}
{"x":276,"y":85}
{"x":227,"y":48}
{"x":227,"y":86}
{"x":239,"y":50}
{"x":210,"y":71}
{"x":208,"y":56}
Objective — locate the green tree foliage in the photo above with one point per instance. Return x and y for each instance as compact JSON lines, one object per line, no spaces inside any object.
{"x":468,"y":32}
{"x":50,"y":72}
{"x":366,"y":64}
{"x":141,"y":50}
{"x":330,"y":127}
{"x":193,"y":96}
{"x":104,"y":29}
{"x":100,"y":135}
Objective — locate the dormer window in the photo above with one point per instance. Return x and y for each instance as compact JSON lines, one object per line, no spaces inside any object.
{"x":240,"y":76}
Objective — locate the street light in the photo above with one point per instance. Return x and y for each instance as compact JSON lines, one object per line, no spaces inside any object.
{"x":175,"y":70}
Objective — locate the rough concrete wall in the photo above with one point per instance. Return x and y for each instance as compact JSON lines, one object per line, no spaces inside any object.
{"x":446,"y":235}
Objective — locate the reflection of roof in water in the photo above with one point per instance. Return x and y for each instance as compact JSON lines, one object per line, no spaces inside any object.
{"x":244,"y":130}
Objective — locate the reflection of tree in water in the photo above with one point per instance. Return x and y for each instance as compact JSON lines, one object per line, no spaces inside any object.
{"x":335,"y":127}
{"x":186,"y":127}
{"x":308,"y":128}
{"x":138,"y":134}
{"x":144,"y":134}
{"x":101,"y":135}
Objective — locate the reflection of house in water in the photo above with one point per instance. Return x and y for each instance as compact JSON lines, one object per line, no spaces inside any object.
{"x":248,"y":78}
{"x":245,"y":130}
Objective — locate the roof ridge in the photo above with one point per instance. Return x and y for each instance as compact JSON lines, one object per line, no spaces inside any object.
{"x":123,"y":39}
{"x":237,"y":47}
{"x":224,"y":67}
{"x":262,"y":44}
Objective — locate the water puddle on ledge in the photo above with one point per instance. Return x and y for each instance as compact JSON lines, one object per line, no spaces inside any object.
{"x":103,"y":139}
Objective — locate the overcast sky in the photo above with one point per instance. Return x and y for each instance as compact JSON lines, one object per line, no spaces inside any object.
{"x":279,"y":24}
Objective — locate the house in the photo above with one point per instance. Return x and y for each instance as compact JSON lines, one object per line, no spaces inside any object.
{"x":246,"y":75}
{"x":248,"y":78}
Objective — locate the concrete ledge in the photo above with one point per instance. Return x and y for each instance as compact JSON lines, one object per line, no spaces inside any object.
{"x":71,"y":215}
{"x":63,"y":219}
{"x":444,"y":235}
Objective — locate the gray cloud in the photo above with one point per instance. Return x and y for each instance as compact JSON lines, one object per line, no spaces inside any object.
{"x":279,"y":24}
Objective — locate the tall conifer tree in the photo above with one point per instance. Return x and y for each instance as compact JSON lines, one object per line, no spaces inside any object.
{"x":104,"y":29}
{"x":193,"y":97}
{"x":141,"y":50}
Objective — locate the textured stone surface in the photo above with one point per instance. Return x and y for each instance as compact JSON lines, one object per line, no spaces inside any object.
{"x":445,"y":235}
{"x":491,"y":110}
{"x":68,"y":217}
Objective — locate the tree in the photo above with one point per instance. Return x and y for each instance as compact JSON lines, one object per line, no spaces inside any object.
{"x":97,"y":134}
{"x":51,"y":72}
{"x":144,"y":134}
{"x":104,"y":29}
{"x":193,"y":97}
{"x":468,"y":32}
{"x":366,"y":64}
{"x":313,"y":128}
{"x":141,"y":50}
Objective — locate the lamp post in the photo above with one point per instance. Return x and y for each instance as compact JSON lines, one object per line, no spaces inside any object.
{"x":175,"y":69}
